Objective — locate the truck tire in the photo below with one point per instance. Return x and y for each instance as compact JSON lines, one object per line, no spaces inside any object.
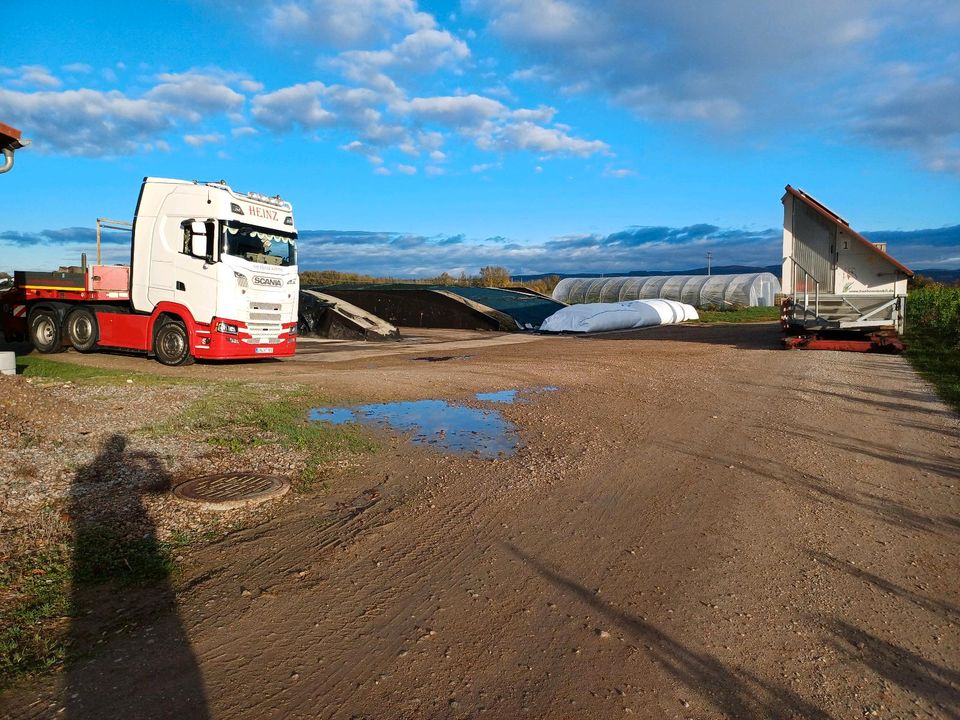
{"x":44,"y":331}
{"x":171,"y":344}
{"x":81,"y":330}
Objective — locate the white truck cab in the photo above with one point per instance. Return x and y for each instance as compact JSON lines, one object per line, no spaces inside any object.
{"x":220,"y":254}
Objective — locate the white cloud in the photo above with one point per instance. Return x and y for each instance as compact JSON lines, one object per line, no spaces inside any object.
{"x":86,"y":122}
{"x":742,"y":65}
{"x":77,"y":68}
{"x":201,"y":140}
{"x":451,"y":110}
{"x":361,"y":149}
{"x":194,"y":94}
{"x":347,"y":23}
{"x":297,"y":105}
{"x":421,"y":52}
{"x":536,"y":138}
{"x":245,"y":131}
{"x":33,"y":76}
{"x":542,"y":114}
{"x":406,"y":169}
{"x":913,"y":107}
{"x":97,"y":123}
{"x":433,"y":170}
{"x":541,"y":20}
{"x":665,"y":59}
{"x":537,"y":73}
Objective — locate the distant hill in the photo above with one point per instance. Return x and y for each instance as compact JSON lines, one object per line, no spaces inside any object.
{"x":944,"y":276}
{"x":716,"y":270}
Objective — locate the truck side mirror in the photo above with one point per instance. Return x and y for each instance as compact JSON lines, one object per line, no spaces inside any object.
{"x":199,"y":240}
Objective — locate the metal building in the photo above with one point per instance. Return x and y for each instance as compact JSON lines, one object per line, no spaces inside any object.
{"x":720,"y":291}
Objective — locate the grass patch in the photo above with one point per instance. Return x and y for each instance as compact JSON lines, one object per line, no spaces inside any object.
{"x":35,"y":592}
{"x":742,"y":315}
{"x":933,"y":338}
{"x":39,"y":366}
{"x":236,"y":417}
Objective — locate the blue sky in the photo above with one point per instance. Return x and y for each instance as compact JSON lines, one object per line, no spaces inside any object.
{"x":543,"y":135}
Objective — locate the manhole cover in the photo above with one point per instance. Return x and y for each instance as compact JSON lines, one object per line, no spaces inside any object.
{"x":231,"y":490}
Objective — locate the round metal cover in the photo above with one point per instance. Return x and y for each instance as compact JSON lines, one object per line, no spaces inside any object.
{"x":231,"y":490}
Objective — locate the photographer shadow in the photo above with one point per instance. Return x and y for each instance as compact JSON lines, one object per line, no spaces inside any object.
{"x":128,"y":653}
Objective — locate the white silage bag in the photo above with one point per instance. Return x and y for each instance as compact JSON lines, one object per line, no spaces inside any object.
{"x":603,"y":317}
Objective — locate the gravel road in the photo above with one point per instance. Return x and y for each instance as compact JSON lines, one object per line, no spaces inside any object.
{"x":697,"y":525}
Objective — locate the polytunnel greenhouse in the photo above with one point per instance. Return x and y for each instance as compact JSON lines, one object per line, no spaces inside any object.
{"x":721,"y":291}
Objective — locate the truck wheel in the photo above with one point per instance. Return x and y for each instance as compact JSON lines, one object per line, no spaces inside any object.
{"x":44,"y":329}
{"x":81,"y":329}
{"x":171,"y":344}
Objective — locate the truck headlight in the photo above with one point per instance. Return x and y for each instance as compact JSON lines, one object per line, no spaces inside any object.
{"x":226,"y":328}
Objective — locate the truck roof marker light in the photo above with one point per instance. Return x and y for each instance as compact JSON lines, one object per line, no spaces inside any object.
{"x":276,"y":200}
{"x":235,"y":208}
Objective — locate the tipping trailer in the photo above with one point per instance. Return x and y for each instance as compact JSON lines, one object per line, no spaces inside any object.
{"x":840,"y":291}
{"x":212,"y":276}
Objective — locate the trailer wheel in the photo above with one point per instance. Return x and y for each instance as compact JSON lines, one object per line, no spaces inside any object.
{"x":81,"y":329}
{"x":44,"y":329}
{"x":171,"y":344}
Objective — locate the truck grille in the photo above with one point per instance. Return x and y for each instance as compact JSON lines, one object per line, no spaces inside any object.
{"x":265,"y":324}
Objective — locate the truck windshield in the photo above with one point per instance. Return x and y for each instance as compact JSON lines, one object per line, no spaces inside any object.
{"x":260,"y":245}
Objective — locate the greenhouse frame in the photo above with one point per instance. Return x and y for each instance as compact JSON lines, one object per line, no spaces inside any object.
{"x":720,"y":291}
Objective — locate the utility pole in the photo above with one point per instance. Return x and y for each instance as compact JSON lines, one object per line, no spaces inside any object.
{"x":709,"y":264}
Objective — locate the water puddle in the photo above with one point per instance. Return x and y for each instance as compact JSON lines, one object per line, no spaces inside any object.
{"x":442,"y":425}
{"x":501,"y":396}
{"x":434,"y":423}
{"x":509,"y":397}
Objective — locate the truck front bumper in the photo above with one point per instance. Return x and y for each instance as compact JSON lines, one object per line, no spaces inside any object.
{"x":211,"y":343}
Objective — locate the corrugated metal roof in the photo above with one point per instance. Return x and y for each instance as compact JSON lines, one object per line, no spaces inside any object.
{"x":836,"y":219}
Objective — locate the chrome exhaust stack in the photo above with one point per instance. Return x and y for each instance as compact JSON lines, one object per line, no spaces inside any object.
{"x":10,"y":139}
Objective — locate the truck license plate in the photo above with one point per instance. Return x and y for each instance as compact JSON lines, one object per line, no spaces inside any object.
{"x":264,"y":350}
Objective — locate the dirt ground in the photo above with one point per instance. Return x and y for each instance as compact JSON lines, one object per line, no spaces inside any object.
{"x":697,"y":525}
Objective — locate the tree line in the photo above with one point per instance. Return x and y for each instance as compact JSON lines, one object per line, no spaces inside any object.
{"x":495,"y":276}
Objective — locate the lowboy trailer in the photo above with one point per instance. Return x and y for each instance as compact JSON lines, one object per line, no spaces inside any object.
{"x":212,"y":276}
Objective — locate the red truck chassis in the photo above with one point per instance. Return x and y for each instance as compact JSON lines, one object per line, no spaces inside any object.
{"x":58,"y":296}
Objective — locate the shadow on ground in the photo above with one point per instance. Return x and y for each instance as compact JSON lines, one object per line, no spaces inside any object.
{"x":743,"y":336}
{"x":935,"y":683}
{"x":732,"y":691}
{"x":122,"y":582}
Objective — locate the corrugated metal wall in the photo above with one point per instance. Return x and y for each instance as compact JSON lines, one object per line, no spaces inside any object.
{"x":814,"y":247}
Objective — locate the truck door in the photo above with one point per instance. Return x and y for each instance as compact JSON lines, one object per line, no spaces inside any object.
{"x":195,"y":270}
